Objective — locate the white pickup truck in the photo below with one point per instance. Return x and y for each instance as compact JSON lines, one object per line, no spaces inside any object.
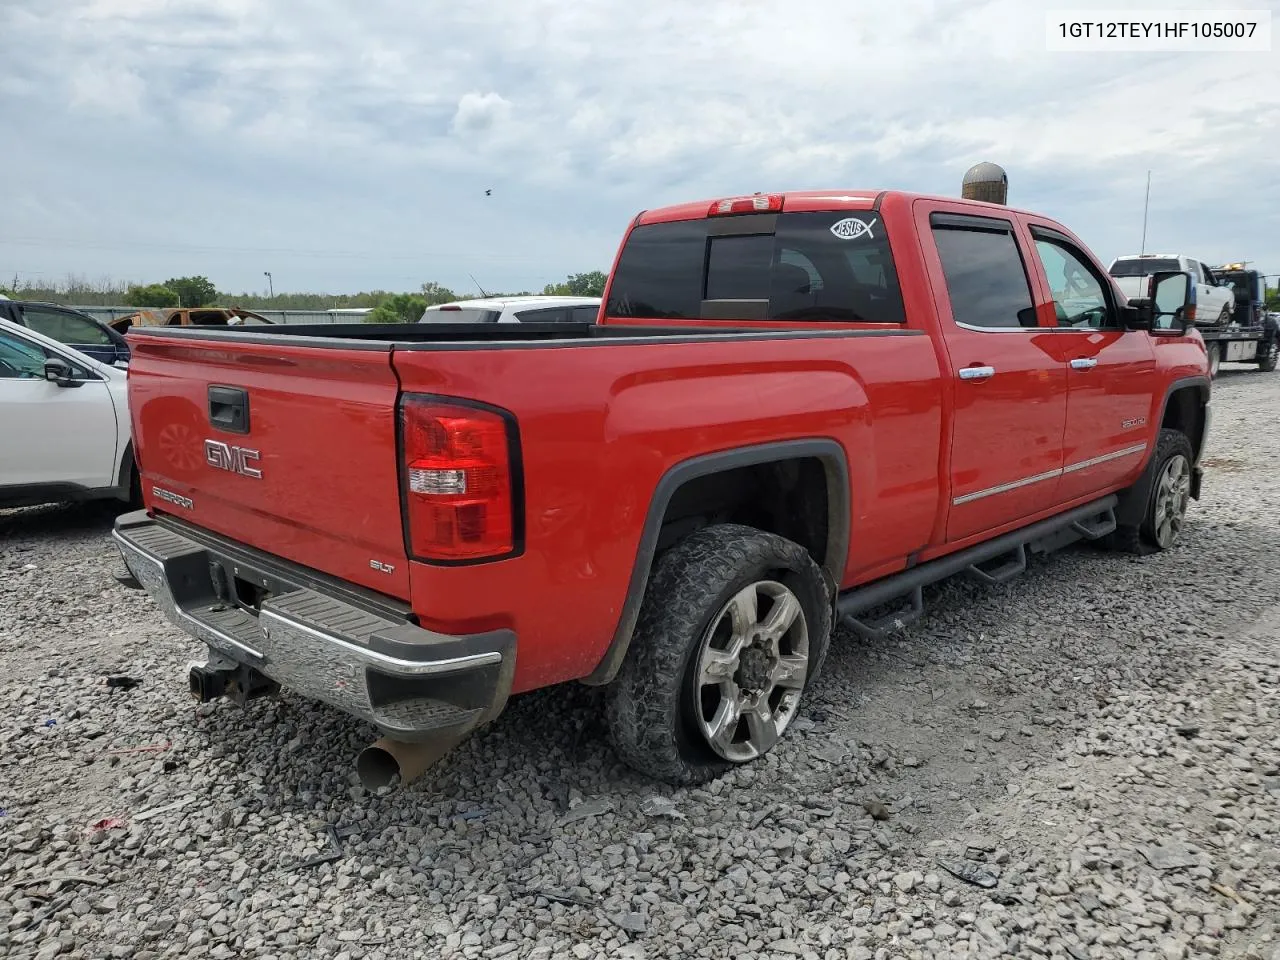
{"x":1213,"y":304}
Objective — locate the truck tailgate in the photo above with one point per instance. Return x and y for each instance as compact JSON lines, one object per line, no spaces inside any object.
{"x":1134,"y":288}
{"x":288,"y":449}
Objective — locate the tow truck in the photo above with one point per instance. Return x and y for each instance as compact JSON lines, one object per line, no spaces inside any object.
{"x":1251,"y":336}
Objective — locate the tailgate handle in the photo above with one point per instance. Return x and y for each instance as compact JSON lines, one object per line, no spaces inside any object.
{"x":229,"y":409}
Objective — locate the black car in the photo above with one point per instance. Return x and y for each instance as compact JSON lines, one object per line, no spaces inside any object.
{"x":77,"y":330}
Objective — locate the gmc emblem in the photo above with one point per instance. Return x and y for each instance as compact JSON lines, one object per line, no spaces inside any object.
{"x":232,"y":459}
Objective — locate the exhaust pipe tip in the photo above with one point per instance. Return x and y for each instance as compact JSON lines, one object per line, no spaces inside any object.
{"x":376,"y":767}
{"x":380,"y":763}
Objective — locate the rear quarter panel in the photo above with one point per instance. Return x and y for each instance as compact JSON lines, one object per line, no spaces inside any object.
{"x":601,"y":424}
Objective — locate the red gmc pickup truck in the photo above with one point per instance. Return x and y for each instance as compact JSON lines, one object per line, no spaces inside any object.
{"x":793,"y":409}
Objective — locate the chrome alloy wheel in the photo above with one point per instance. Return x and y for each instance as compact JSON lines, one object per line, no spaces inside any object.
{"x":751,"y":669}
{"x":1173,"y":493}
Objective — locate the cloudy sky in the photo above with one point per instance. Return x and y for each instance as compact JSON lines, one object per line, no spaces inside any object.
{"x":348,"y":145}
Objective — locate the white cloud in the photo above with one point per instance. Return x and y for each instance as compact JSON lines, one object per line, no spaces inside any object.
{"x":107,"y":88}
{"x":478,"y":113}
{"x":394,"y":120}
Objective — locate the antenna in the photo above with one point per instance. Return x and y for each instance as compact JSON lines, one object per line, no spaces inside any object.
{"x":1145,"y":205}
{"x":478,"y":287}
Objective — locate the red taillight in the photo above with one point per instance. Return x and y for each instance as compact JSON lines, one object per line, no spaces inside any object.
{"x":760,"y":203}
{"x":456,"y":475}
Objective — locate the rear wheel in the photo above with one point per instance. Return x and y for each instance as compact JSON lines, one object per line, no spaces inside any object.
{"x":1167,"y":500}
{"x":1215,"y":359}
{"x":735,"y":624}
{"x":1269,"y":353}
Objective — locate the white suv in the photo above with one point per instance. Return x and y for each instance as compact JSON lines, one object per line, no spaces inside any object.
{"x":1214,"y":304}
{"x":64,"y":423}
{"x":531,"y":309}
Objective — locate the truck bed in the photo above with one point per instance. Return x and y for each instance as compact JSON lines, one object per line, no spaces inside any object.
{"x":474,"y":336}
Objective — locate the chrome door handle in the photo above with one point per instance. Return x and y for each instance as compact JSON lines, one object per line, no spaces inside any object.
{"x":977,"y":373}
{"x":1084,"y":363}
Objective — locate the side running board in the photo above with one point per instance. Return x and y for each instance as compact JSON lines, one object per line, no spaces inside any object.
{"x":1089,"y":522}
{"x":1014,"y":565}
{"x":882,"y":626}
{"x":1095,"y":528}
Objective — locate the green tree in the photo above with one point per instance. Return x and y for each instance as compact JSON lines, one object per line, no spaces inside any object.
{"x":151,"y":295}
{"x":193,"y":291}
{"x":578,"y":285}
{"x":1273,"y":298}
{"x":433,"y":293}
{"x":399,"y":308}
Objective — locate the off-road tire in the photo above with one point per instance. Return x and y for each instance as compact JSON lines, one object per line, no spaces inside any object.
{"x":650,"y":710}
{"x":1269,"y":353}
{"x":1140,"y":538}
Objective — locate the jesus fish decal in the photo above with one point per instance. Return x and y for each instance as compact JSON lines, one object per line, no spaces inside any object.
{"x":851,"y":228}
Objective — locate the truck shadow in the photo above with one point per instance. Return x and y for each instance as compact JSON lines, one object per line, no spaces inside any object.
{"x":95,"y":517}
{"x":935,"y":722}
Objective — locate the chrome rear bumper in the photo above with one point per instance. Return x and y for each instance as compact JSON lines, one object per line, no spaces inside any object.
{"x":409,"y":682}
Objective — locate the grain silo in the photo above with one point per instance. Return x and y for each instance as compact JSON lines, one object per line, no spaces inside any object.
{"x":987,"y":182}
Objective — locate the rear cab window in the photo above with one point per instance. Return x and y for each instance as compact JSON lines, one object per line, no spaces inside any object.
{"x":1144,"y":267}
{"x":803,"y":267}
{"x":458,"y":315}
{"x":543,"y":315}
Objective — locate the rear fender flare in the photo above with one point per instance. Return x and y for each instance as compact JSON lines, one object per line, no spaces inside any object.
{"x":829,"y":452}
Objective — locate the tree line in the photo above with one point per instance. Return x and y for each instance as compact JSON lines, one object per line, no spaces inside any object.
{"x":387,"y":306}
{"x":199,"y":291}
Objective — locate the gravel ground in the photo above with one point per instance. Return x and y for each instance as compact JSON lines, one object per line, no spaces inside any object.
{"x":1098,"y":743}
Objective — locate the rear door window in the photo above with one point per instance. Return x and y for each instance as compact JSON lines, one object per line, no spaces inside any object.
{"x":792,"y":266}
{"x":986,"y":279}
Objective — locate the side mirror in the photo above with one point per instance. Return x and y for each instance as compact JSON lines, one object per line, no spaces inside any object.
{"x":1173,"y":295}
{"x":57,"y":370}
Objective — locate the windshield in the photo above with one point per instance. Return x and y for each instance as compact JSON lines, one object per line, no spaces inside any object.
{"x":1143,"y":268}
{"x":460,"y":315}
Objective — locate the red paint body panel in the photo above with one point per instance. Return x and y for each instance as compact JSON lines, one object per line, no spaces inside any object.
{"x":601,"y":421}
{"x":324,"y":424}
{"x":595,"y":449}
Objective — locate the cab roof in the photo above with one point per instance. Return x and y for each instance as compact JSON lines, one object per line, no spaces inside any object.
{"x":809,"y":201}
